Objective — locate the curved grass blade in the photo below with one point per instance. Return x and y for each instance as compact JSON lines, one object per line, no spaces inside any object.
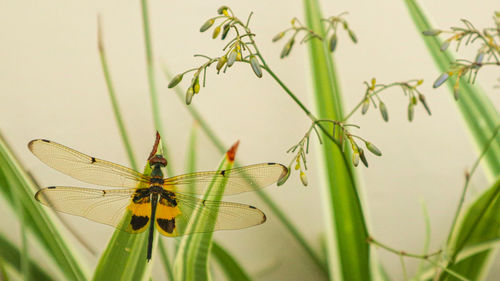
{"x":229,"y":265}
{"x":479,"y":225}
{"x":191,"y":262}
{"x":15,"y":184}
{"x":346,"y":230}
{"x":11,"y":255}
{"x":266,"y":199}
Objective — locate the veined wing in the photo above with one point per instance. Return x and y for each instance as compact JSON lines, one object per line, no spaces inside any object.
{"x":216,"y":215}
{"x":83,"y":167}
{"x":239,"y":180}
{"x":111,"y":206}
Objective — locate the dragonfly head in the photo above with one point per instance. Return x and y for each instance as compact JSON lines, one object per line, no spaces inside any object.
{"x":157,"y":160}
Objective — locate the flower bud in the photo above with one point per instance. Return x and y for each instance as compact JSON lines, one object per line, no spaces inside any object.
{"x":441,"y":79}
{"x":278,"y":36}
{"x":254,"y":62}
{"x":207,"y":25}
{"x":333,"y":42}
{"x":176,"y":80}
{"x":479,"y":58}
{"x":222,"y":10}
{"x":373,"y":149}
{"x":189,"y":95}
{"x":410,"y":112}
{"x":431,"y":32}
{"x":232,"y":57}
{"x":445,"y":45}
{"x":225,"y":31}
{"x":355,"y":159}
{"x":287,"y":48}
{"x":216,"y":32}
{"x":196,"y":85}
{"x":424,"y":103}
{"x":221,"y":63}
{"x":353,"y":36}
{"x":362,"y":157}
{"x":366,"y":105}
{"x":383,"y":111}
{"x":303,"y":178}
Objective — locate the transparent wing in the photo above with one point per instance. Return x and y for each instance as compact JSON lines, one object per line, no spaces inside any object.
{"x":83,"y":167}
{"x":103,"y":206}
{"x":215,"y":215}
{"x":239,"y":180}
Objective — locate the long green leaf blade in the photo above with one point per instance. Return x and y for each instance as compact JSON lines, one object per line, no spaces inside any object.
{"x":125,"y":255}
{"x":480,"y":224}
{"x":346,"y":231}
{"x":191,"y":262}
{"x":17,"y":185}
{"x":229,"y":265}
{"x":11,"y":255}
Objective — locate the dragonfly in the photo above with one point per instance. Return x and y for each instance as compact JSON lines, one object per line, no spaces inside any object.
{"x":140,"y":202}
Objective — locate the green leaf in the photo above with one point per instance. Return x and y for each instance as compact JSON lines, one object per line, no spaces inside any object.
{"x":15,"y":184}
{"x":229,"y":265}
{"x":481,"y":118}
{"x":11,"y":255}
{"x":125,"y":255}
{"x":480,"y":224}
{"x":191,"y":262}
{"x":346,"y":231}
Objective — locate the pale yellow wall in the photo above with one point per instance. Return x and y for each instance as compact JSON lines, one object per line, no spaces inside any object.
{"x":51,"y":86}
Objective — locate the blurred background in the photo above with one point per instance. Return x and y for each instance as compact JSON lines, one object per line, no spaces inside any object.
{"x":52,"y":87}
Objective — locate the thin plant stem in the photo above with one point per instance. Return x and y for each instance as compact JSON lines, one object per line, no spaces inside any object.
{"x":464,"y":190}
{"x":403,"y":266}
{"x":112,"y":96}
{"x":371,"y":240}
{"x":425,"y":257}
{"x":151,"y":78}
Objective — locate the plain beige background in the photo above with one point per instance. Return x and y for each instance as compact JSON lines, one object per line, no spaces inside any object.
{"x":52,"y":87}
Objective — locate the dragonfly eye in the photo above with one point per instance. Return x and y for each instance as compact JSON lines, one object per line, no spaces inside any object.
{"x":158,"y":159}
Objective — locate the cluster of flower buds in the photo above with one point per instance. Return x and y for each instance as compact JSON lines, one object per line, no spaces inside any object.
{"x":302,"y":148}
{"x":296,"y":28}
{"x":410,"y":89}
{"x":333,"y":23}
{"x":487,"y":53}
{"x":299,"y":158}
{"x":358,"y":152}
{"x":237,"y":49}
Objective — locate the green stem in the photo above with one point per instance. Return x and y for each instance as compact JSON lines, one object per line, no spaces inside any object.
{"x":151,"y":78}
{"x":112,"y":96}
{"x":287,"y":90}
{"x":402,"y":253}
{"x":466,"y":185}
